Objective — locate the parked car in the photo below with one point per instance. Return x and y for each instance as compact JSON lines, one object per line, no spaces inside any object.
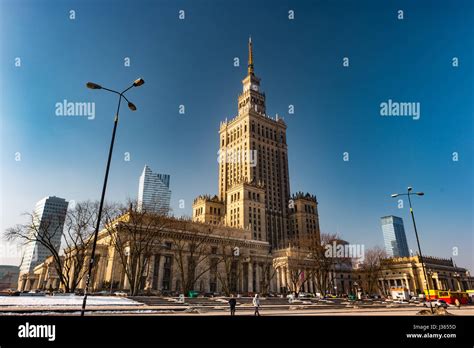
{"x":10,"y":292}
{"x":304,"y":295}
{"x":120,"y":293}
{"x":211,"y":294}
{"x":14,"y":292}
{"x":436,"y":303}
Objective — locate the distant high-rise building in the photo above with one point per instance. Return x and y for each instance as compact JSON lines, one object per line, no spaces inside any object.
{"x":394,"y":236}
{"x":48,"y":219}
{"x":154,"y":193}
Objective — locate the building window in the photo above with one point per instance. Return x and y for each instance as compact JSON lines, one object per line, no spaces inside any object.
{"x":167,"y":273}
{"x":213,"y":276}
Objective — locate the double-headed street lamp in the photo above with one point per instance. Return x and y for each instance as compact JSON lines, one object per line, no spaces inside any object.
{"x":410,"y":193}
{"x":132,"y":107}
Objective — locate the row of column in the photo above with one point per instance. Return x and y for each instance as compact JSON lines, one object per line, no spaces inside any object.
{"x":399,"y":282}
{"x":155,"y":281}
{"x":111,"y":270}
{"x":283,"y":280}
{"x":252,"y":283}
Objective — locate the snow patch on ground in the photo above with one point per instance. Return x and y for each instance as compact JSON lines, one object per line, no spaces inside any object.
{"x":68,"y":300}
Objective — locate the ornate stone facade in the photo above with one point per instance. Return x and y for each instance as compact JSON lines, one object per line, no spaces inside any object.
{"x":407,"y":272}
{"x":222,"y":247}
{"x":43,"y":277}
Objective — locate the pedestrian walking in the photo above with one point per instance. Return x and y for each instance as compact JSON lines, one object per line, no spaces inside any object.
{"x":256,"y":305}
{"x":232,"y":304}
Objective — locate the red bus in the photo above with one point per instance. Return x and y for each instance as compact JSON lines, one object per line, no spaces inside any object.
{"x":448,"y":296}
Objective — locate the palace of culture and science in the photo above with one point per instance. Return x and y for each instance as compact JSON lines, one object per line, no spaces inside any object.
{"x":256,"y":215}
{"x":254,"y":184}
{"x":253,"y":211}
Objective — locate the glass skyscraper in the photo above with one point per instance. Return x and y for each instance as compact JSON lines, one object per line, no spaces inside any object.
{"x":154,"y":193}
{"x":394,"y":236}
{"x":48,"y":219}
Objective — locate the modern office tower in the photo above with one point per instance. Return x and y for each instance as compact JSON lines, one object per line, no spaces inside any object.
{"x":48,"y":219}
{"x":394,"y":236}
{"x":254,"y":185}
{"x":154,"y":193}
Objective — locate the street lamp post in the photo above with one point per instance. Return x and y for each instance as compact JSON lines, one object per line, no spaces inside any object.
{"x":132,"y":107}
{"x":410,"y":193}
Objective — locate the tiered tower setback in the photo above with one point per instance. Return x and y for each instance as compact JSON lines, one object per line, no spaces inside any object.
{"x":254,"y":185}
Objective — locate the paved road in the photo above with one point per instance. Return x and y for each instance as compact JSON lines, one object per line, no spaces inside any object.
{"x":410,"y":311}
{"x":407,"y":311}
{"x":219,"y":306}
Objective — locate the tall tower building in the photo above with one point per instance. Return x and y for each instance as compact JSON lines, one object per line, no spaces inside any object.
{"x":254,"y":186}
{"x":154,"y":193}
{"x":253,"y":166}
{"x":48,"y":219}
{"x":394,"y":236}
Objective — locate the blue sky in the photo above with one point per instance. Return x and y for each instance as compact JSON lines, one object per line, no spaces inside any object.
{"x":190,"y":62}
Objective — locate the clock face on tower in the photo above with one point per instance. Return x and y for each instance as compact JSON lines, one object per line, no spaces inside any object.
{"x":254,"y":87}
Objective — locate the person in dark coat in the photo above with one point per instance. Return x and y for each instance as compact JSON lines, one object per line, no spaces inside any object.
{"x":232,"y":304}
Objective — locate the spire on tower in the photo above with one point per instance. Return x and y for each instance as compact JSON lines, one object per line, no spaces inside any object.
{"x":250,"y":64}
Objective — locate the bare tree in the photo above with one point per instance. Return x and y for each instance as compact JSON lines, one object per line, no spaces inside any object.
{"x":268,"y":273}
{"x":230,"y":271}
{"x":75,"y":229}
{"x":323,"y":262}
{"x":298,"y":276}
{"x":78,"y":229}
{"x":300,"y":264}
{"x":371,"y":268}
{"x":135,"y":235}
{"x":192,"y":251}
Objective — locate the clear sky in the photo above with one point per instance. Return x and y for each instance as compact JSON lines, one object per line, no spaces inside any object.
{"x":191,"y":62}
